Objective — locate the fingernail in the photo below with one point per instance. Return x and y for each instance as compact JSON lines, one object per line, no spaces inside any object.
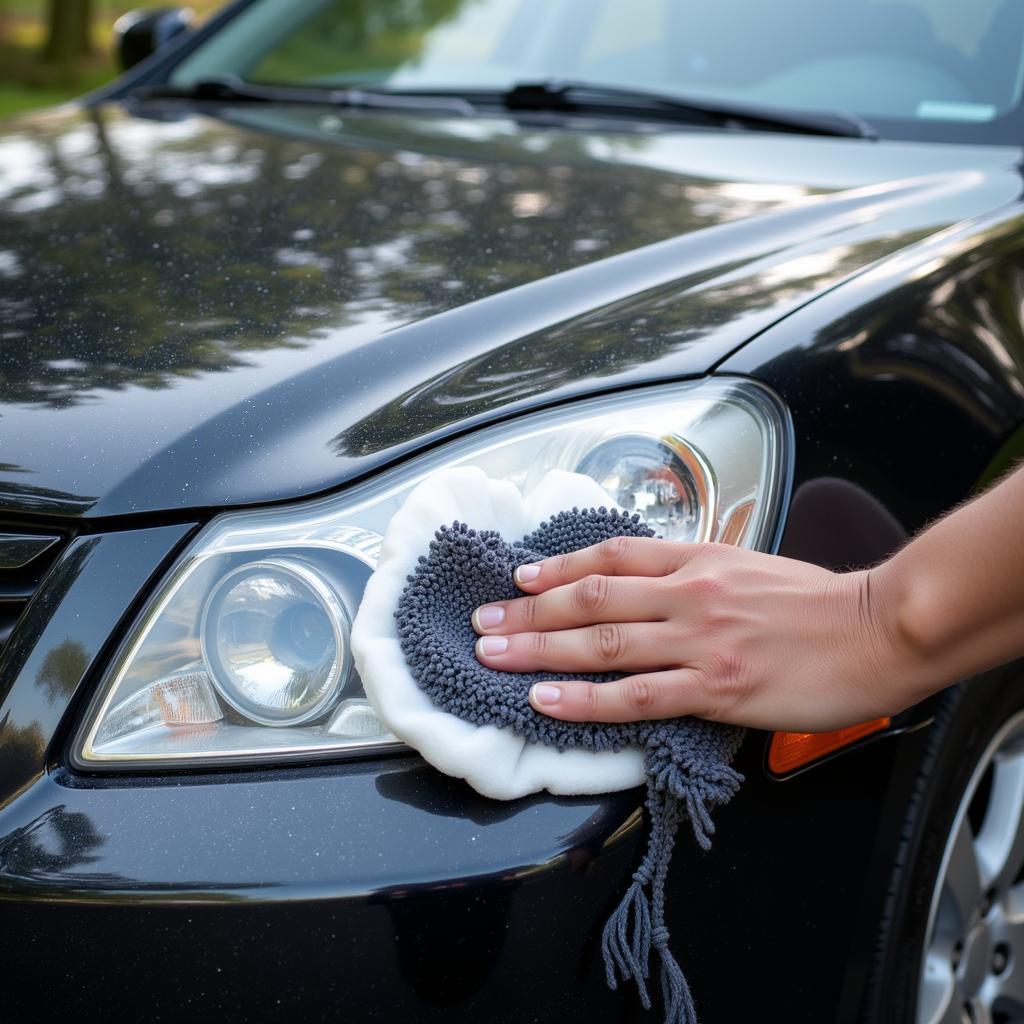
{"x":526,"y":573}
{"x":488,"y":615}
{"x":541,"y":693}
{"x":492,"y":644}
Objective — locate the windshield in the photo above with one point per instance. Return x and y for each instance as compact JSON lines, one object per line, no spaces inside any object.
{"x":943,"y":69}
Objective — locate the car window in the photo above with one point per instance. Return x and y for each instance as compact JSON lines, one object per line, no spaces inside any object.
{"x":909,"y":60}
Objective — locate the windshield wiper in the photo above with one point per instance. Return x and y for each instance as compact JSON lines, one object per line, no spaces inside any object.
{"x":553,"y":95}
{"x":588,"y":97}
{"x":232,"y":89}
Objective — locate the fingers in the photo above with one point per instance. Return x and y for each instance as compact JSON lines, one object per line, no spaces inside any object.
{"x":591,"y":600}
{"x":636,"y":698}
{"x":619,"y":556}
{"x":603,"y":648}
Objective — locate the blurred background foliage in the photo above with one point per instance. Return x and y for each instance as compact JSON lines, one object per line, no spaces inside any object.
{"x":55,"y":50}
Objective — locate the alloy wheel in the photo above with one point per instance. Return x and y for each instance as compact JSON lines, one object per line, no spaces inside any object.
{"x":972,"y":970}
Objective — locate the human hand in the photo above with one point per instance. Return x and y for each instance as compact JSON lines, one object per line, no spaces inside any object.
{"x":701,"y":629}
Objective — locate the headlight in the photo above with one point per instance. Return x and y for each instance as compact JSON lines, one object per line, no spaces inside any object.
{"x":242,"y":654}
{"x":275,"y":640}
{"x":662,"y":478}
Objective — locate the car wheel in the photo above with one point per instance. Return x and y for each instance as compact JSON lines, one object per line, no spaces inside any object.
{"x":951,"y":948}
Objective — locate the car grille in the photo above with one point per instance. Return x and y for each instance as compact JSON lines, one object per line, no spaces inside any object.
{"x":25,"y":558}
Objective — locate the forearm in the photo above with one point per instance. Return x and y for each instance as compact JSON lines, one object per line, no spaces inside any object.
{"x":952,"y":600}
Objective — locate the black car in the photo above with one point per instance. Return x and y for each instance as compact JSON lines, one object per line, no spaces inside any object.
{"x":302,"y":256}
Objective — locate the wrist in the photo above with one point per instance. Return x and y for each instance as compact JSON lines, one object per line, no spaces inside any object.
{"x":907,"y":627}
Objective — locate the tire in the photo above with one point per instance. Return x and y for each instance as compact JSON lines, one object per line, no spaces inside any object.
{"x":951,"y":942}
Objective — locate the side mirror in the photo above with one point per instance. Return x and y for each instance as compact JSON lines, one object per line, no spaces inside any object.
{"x":138,"y":34}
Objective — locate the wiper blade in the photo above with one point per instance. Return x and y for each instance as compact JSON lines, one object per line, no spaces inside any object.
{"x":232,"y":89}
{"x":590,"y":97}
{"x":552,"y":95}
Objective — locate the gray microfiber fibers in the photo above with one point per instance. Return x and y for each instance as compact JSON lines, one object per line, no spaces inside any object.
{"x":687,"y":760}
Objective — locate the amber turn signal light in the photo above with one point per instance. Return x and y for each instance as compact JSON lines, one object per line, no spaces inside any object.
{"x":791,"y":750}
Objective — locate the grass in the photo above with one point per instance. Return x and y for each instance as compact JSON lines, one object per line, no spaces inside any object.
{"x":16,"y":98}
{"x":27,"y":83}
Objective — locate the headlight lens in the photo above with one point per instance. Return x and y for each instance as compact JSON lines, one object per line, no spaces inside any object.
{"x":663,"y":479}
{"x":242,"y":654}
{"x":275,"y":638}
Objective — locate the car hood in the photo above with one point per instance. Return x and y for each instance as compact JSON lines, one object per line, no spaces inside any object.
{"x":209,"y":309}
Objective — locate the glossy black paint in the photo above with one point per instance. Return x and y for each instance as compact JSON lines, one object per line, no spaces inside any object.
{"x":61,"y":636}
{"x":379,"y":890}
{"x":401,"y":895}
{"x":211,"y":311}
{"x":315,"y":960}
{"x":919,"y":362}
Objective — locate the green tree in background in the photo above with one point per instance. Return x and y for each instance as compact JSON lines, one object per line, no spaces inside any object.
{"x":56,"y":50}
{"x":67,"y":36}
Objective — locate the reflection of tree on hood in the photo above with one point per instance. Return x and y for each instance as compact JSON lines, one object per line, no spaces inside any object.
{"x":615,"y":338}
{"x":138,"y":251}
{"x":21,"y":749}
{"x":62,"y":670}
{"x":50,"y":845}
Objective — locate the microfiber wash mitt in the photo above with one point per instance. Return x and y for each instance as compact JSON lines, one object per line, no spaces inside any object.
{"x":684,"y":761}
